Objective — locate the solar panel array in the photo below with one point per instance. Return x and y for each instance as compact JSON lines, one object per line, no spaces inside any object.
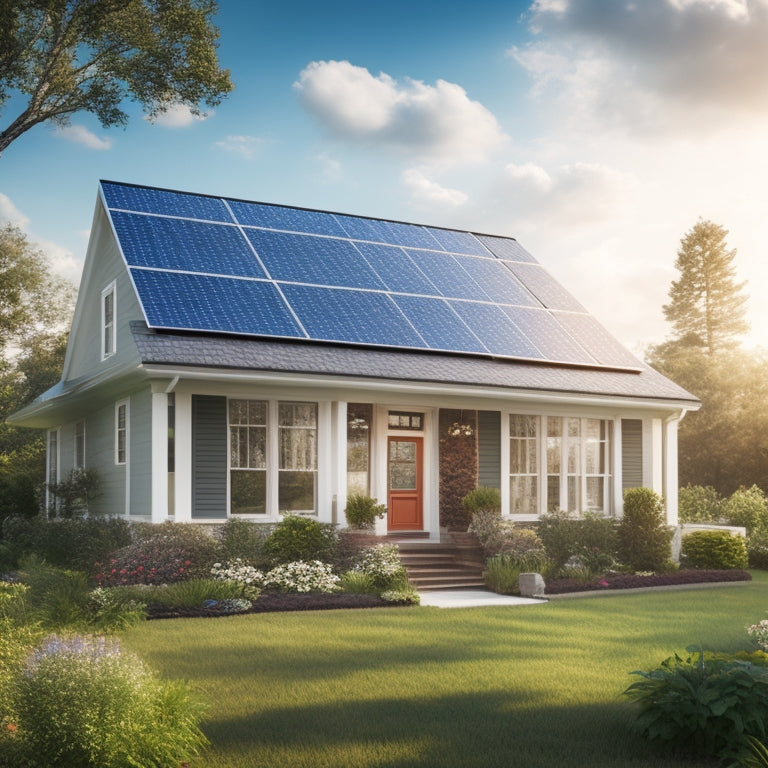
{"x":217,"y":265}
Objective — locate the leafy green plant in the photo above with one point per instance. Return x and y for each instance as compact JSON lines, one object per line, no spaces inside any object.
{"x":57,"y":597}
{"x":643,"y":536}
{"x":699,"y":504}
{"x":161,"y":554}
{"x":707,"y":706}
{"x":362,"y":510}
{"x":482,"y":499}
{"x":715,"y":550}
{"x":245,"y":540}
{"x":194,"y":592}
{"x":71,"y":495}
{"x":748,"y":507}
{"x":589,"y":541}
{"x":497,"y":535}
{"x":300,"y":538}
{"x":757,"y":548}
{"x":502,"y":572}
{"x":82,"y":702}
{"x":358,"y":583}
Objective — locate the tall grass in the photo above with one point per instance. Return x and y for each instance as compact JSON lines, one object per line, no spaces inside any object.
{"x":524,"y":686}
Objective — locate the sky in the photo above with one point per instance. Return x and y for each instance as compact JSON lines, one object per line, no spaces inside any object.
{"x":596,"y":132}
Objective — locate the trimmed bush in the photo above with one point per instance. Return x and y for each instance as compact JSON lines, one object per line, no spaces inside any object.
{"x":300,"y":538}
{"x":82,"y":702}
{"x":497,"y":535}
{"x":382,"y":564}
{"x":757,"y":548}
{"x":361,"y":511}
{"x":590,"y":540}
{"x":482,"y":499}
{"x":748,"y":507}
{"x":161,"y":555}
{"x":699,"y":504}
{"x":713,"y":550}
{"x":707,"y":707}
{"x":643,"y":535}
{"x":245,"y":540}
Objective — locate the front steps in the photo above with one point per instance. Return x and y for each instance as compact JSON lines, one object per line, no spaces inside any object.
{"x":443,"y":565}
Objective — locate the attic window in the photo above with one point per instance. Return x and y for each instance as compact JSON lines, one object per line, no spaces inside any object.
{"x":108,"y":336}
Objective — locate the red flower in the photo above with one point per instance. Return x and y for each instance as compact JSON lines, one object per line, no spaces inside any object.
{"x":11,"y":727}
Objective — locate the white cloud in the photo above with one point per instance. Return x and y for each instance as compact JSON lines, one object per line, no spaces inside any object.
{"x":177,"y":116}
{"x":656,"y":64}
{"x":332,"y":169}
{"x":79,"y":134}
{"x":247,"y":146}
{"x":426,"y":190}
{"x":10,"y":214}
{"x":438,"y":122}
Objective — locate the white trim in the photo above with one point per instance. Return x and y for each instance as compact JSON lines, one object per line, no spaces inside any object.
{"x":159,"y":429}
{"x":127,"y":448}
{"x":110,"y":290}
{"x":182,"y":476}
{"x":75,"y":464}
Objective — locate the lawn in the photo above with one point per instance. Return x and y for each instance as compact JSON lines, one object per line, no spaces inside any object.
{"x":524,"y":686}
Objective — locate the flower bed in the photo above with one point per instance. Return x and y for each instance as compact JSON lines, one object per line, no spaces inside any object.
{"x":635,"y":581}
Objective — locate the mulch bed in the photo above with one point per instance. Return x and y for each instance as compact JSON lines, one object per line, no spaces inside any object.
{"x":268,"y":603}
{"x":633,"y":581}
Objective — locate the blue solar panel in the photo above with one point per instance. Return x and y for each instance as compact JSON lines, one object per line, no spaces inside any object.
{"x":165,"y":203}
{"x":389,"y":232}
{"x":181,"y":244}
{"x":549,"y":336}
{"x":499,"y":284}
{"x":314,"y":260}
{"x":495,"y":330}
{"x":546,"y":289}
{"x":438,"y":324}
{"x":288,"y":219}
{"x":395,"y":267}
{"x":446,"y":273}
{"x":360,"y":317}
{"x":596,"y":340}
{"x":204,"y":303}
{"x":505,"y":248}
{"x":458,"y":242}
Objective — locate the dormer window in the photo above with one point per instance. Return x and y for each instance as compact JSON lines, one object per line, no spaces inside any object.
{"x":108,"y":335}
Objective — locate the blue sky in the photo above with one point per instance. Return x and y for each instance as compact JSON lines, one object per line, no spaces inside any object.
{"x":597,"y":132}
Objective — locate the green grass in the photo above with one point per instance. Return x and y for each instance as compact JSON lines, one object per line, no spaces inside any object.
{"x":523,"y":687}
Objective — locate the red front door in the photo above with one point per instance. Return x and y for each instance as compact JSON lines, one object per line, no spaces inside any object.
{"x":404,"y":484}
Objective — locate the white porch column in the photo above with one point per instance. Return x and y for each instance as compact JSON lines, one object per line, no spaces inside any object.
{"x":617,"y":506}
{"x":324,"y":463}
{"x":339,"y":452}
{"x":159,"y":488}
{"x":671,"y":469}
{"x":183,"y":474}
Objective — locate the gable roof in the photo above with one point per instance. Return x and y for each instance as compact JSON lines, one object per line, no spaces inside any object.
{"x":225,"y":266}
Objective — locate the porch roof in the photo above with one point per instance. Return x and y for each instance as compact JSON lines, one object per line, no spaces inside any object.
{"x":244,"y":354}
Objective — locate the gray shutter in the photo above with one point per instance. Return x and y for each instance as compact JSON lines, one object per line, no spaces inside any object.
{"x":631,"y":453}
{"x":209,"y":456}
{"x":489,"y":449}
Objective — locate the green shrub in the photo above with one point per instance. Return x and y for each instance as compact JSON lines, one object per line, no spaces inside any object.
{"x":591,"y":540}
{"x":162,"y":554}
{"x":82,"y":703}
{"x":643,"y":535}
{"x":243,"y":539}
{"x":75,"y":543}
{"x":192,"y":593}
{"x":757,"y":548}
{"x":300,"y":538}
{"x":482,"y":499}
{"x":716,"y":550}
{"x":358,"y":583}
{"x":497,"y":535}
{"x":699,"y":504}
{"x":502,"y":572}
{"x":71,"y":495}
{"x":747,"y":507}
{"x":16,"y":642}
{"x":57,"y":597}
{"x":361,"y":511}
{"x":382,"y":564}
{"x":707,"y":706}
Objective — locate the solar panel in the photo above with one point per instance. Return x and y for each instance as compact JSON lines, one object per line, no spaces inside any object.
{"x":205,"y":303}
{"x":230,"y":266}
{"x":334,"y":314}
{"x":181,"y":244}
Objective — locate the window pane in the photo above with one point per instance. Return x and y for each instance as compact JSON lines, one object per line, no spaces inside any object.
{"x":523,"y":496}
{"x":238,"y":411}
{"x":248,"y":492}
{"x":257,"y":412}
{"x":595,"y":494}
{"x":359,"y":421}
{"x":298,"y":415}
{"x":553,"y":493}
{"x":298,"y":449}
{"x":574,"y":495}
{"x":296,"y":491}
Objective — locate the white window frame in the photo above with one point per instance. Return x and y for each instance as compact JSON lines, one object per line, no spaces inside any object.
{"x":606,"y":446}
{"x":125,"y":431}
{"x":272,"y":460}
{"x":108,"y":326}
{"x":78,"y":461}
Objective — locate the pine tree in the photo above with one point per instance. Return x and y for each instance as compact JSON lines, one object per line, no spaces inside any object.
{"x":707,"y":307}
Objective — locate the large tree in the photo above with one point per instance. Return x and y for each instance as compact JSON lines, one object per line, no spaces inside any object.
{"x":707,"y":306}
{"x":68,"y":56}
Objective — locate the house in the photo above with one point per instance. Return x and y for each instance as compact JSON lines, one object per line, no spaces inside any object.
{"x":231,"y":358}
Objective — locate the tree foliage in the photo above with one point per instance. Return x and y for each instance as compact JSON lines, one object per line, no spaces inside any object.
{"x":68,"y":56}
{"x":706,"y":305}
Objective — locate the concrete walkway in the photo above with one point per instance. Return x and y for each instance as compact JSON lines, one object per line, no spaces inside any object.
{"x":471,"y":598}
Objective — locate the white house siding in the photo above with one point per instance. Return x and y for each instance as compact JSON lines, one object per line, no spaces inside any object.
{"x":140,"y":471}
{"x":100,"y":456}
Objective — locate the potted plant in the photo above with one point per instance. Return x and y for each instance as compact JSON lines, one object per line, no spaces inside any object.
{"x":361,"y":511}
